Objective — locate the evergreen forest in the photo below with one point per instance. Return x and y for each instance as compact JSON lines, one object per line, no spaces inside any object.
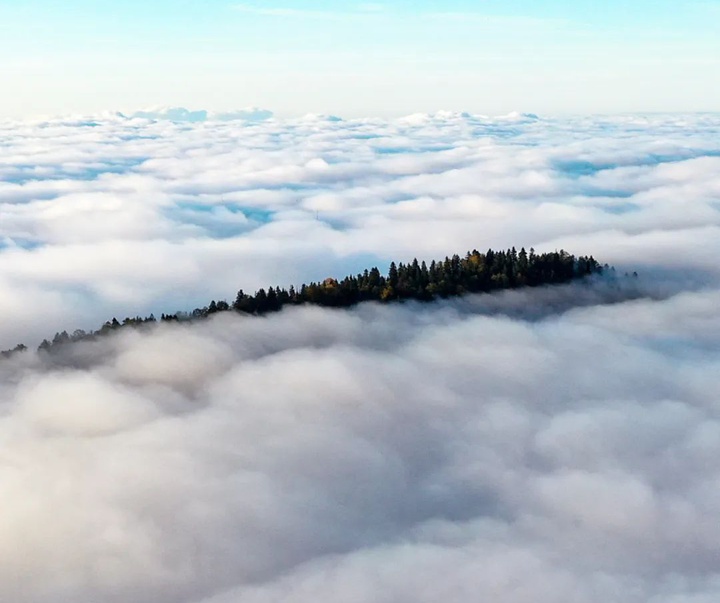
{"x":454,"y":276}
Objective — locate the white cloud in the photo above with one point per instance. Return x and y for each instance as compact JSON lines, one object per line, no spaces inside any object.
{"x":379,"y":454}
{"x":553,"y":445}
{"x":181,"y":114}
{"x":104,"y":215}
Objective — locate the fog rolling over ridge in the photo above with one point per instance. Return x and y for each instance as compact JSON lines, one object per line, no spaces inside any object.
{"x":109,"y":215}
{"x":384,"y":453}
{"x":542,"y":445}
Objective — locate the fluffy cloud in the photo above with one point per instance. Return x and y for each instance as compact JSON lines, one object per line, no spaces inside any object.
{"x":111,"y":215}
{"x":181,"y":114}
{"x":401,"y":453}
{"x":546,"y":445}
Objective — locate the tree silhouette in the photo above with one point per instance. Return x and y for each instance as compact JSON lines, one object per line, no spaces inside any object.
{"x":452,"y":276}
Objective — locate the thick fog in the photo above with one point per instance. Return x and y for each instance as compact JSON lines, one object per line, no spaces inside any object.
{"x":554,"y":445}
{"x":116,"y":216}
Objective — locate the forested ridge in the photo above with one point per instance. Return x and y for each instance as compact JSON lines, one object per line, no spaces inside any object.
{"x":454,"y":276}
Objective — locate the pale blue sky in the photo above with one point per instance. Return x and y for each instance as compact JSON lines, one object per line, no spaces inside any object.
{"x":360,"y":58}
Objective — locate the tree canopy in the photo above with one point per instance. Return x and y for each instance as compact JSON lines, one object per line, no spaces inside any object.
{"x":475,"y":272}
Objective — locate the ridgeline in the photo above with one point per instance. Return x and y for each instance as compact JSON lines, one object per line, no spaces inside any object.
{"x":452,"y":277}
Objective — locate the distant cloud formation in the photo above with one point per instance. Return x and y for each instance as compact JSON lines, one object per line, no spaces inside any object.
{"x":554,"y":445}
{"x":181,"y":114}
{"x":119,"y":214}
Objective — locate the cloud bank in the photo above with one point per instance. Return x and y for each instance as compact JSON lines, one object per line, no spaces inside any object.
{"x":387,"y":453}
{"x":552,"y":445}
{"x":108,"y":215}
{"x":181,"y":114}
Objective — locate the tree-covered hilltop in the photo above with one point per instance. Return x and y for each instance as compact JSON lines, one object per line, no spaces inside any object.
{"x":475,"y":273}
{"x":454,"y":276}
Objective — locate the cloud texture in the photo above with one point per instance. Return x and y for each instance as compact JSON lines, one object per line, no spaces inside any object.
{"x":381,"y":454}
{"x":554,"y":445}
{"x":112,"y":215}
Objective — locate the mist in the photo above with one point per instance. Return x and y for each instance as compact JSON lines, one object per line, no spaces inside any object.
{"x":109,"y":215}
{"x":540,"y":445}
{"x":384,"y":453}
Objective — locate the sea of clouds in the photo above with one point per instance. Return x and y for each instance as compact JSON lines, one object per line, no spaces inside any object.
{"x":547,"y":446}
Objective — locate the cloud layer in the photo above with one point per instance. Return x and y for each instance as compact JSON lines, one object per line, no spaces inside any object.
{"x":405,"y":453}
{"x":554,"y":445}
{"x":112,"y":215}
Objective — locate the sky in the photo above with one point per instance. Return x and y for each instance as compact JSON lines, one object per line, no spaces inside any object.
{"x":360,"y":59}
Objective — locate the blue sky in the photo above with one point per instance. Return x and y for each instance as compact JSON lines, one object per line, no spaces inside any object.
{"x":360,"y":58}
